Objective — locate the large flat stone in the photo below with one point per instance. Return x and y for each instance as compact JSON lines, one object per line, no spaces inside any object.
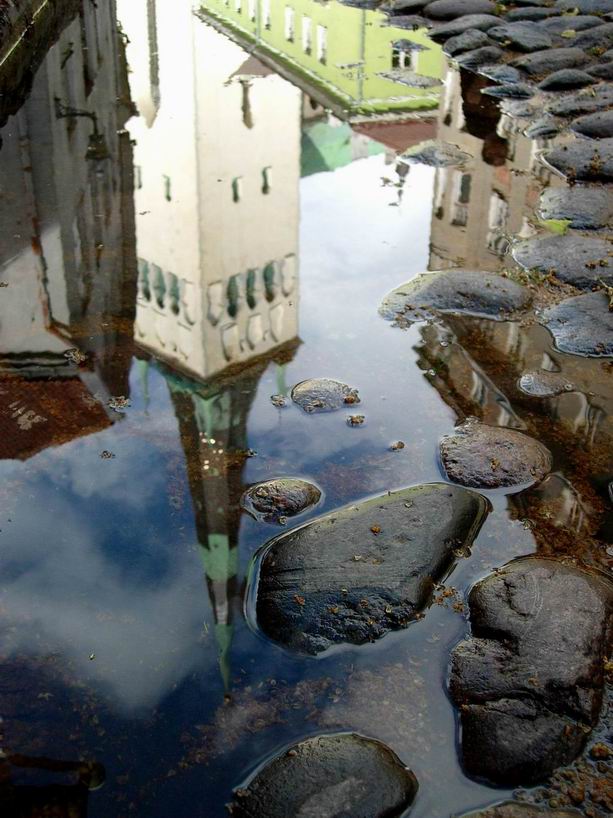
{"x":356,"y":574}
{"x":582,"y":325}
{"x":529,"y":681}
{"x":582,"y":261}
{"x":470,"y":292}
{"x":328,"y":776}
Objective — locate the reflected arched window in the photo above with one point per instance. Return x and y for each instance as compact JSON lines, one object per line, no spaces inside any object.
{"x":159,"y":285}
{"x":143,"y":279}
{"x":174,"y":293}
{"x":233,"y":295}
{"x":270,"y":281}
{"x":251,"y":288}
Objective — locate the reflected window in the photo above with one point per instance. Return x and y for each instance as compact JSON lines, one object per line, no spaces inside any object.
{"x":307,"y":38}
{"x":233,"y":295}
{"x":237,"y":188}
{"x":266,"y":14}
{"x":143,"y":279}
{"x":289,"y":24}
{"x":238,"y":5}
{"x":252,"y":10}
{"x":398,"y":55}
{"x":251,"y":288}
{"x":174,"y":293}
{"x":322,"y":44}
{"x":266,"y":177}
{"x":497,"y":222}
{"x":269,"y":275}
{"x":167,"y":189}
{"x":461,"y":198}
{"x":401,"y":58}
{"x":159,"y":285}
{"x":138,"y":176}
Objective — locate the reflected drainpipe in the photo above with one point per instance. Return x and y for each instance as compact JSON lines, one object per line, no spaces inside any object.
{"x":362,"y":57}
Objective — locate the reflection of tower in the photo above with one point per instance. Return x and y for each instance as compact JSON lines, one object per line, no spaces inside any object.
{"x":217,"y":172}
{"x":212,"y":420}
{"x":66,"y":262}
{"x":477,"y":207}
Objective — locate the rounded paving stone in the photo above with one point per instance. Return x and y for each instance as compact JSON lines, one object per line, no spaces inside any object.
{"x":578,"y":22}
{"x":500,"y":73}
{"x":356,"y":574}
{"x":323,"y":395}
{"x":328,"y":776}
{"x":531,"y":13}
{"x":273,"y":500}
{"x":578,"y":260}
{"x":550,"y":60}
{"x":455,"y":291}
{"x":529,"y":682}
{"x":517,"y":90}
{"x":544,"y":384}
{"x":467,"y":41}
{"x":588,"y":101}
{"x":596,"y":126}
{"x":583,"y":160}
{"x":582,"y":325}
{"x":480,"y":56}
{"x":523,"y":36}
{"x":600,"y":37}
{"x":491,"y":457}
{"x":582,"y":207}
{"x":566,"y":79}
{"x":518,"y":108}
{"x":482,"y":22}
{"x":585,"y":6}
{"x":601,"y":72}
{"x":435,"y":154}
{"x":543,"y":128}
{"x":451,"y":9}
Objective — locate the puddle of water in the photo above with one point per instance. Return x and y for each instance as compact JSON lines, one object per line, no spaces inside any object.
{"x":231,"y":239}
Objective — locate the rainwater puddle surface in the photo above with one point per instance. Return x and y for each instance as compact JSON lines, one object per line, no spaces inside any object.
{"x":216,"y":232}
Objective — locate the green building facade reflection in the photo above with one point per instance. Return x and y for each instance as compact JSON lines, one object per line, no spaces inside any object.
{"x":344,"y":57}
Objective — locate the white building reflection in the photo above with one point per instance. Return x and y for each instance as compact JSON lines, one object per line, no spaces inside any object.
{"x":217,"y":159}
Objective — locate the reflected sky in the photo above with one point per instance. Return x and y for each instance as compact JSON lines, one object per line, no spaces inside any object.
{"x":230,"y":236}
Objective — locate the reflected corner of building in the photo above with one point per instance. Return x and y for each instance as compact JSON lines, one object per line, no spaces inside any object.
{"x":340,"y":55}
{"x":67,"y":261}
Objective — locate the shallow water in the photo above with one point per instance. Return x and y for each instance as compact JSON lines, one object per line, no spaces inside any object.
{"x":248,"y":250}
